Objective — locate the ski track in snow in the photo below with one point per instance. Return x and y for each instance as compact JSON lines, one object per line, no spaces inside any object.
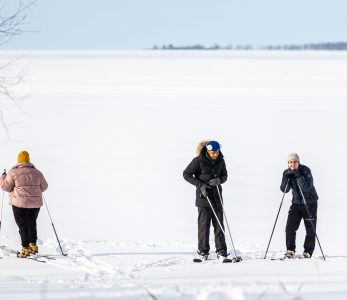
{"x":101,"y":274}
{"x":136,"y":269}
{"x":125,"y":269}
{"x":96,"y":272}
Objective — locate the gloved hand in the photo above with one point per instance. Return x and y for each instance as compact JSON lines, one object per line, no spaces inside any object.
{"x":289,"y":173}
{"x":215,"y":182}
{"x":296,"y":173}
{"x":203,"y":190}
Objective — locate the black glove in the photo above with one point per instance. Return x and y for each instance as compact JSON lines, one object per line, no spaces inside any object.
{"x":296,"y":173}
{"x":203,"y":190}
{"x":289,"y":173}
{"x":215,"y":182}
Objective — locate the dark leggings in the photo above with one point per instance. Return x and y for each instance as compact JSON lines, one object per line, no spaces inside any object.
{"x":26,"y":221}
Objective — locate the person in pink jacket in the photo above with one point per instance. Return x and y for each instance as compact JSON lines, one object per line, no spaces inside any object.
{"x":25,"y":184}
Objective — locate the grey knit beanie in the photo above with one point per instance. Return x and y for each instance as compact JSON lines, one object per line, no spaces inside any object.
{"x":293,"y":156}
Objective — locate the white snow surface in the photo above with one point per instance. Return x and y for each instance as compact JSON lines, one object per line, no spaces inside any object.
{"x":113,"y":131}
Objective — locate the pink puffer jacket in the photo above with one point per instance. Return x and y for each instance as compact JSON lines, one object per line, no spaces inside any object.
{"x":25,"y":184}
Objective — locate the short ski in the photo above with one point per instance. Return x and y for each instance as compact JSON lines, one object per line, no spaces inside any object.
{"x":235,"y":259}
{"x":286,"y":258}
{"x":281,"y":258}
{"x":43,"y":256}
{"x":36,"y":257}
{"x":227,"y":260}
{"x":201,"y":256}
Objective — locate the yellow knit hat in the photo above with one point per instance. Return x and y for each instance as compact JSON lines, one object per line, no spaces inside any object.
{"x":23,"y":156}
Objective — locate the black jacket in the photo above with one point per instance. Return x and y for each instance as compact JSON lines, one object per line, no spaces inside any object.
{"x":201,"y":170}
{"x":305,"y":181}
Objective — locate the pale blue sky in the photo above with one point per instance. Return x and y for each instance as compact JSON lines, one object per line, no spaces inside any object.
{"x":137,"y":24}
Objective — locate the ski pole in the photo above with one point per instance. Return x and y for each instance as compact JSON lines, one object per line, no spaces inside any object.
{"x":2,"y":201}
{"x":273,"y":229}
{"x":308,"y":213}
{"x":64,"y":254}
{"x":237,"y":258}
{"x":2,"y":205}
{"x":220,"y":225}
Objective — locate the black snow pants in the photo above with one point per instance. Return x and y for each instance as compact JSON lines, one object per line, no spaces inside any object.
{"x":204,"y":223}
{"x":26,"y":221}
{"x":295,"y":214}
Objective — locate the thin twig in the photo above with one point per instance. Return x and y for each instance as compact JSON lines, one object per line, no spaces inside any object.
{"x":10,"y":26}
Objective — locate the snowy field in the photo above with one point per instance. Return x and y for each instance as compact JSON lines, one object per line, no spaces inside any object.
{"x":113,"y":131}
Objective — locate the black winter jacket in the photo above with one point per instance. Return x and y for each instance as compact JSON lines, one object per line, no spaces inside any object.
{"x":305,"y":181}
{"x":201,"y":170}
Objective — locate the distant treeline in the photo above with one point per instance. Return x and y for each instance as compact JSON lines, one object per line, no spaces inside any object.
{"x":311,"y":46}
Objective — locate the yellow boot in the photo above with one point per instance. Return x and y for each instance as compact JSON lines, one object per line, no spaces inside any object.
{"x":33,"y":248}
{"x":25,"y":253}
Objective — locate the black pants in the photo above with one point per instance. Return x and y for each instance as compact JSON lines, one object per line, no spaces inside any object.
{"x":204,"y":223}
{"x":295,"y":214}
{"x":26,"y":221}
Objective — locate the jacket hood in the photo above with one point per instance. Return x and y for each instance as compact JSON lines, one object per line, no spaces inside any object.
{"x":202,"y":151}
{"x":24,"y":165}
{"x":201,"y":146}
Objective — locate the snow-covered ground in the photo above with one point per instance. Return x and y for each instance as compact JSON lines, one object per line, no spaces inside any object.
{"x":113,"y":131}
{"x":135,"y":270}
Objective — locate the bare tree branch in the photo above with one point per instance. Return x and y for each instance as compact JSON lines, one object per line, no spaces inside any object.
{"x":11,"y":23}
